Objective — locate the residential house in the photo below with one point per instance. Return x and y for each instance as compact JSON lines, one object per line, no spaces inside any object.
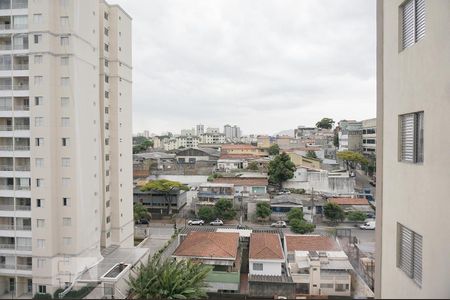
{"x":219,"y":250}
{"x":147,"y":163}
{"x":281,"y":205}
{"x":192,"y":155}
{"x":230,"y":162}
{"x":353,"y":204}
{"x":263,"y":141}
{"x":318,"y":266}
{"x":157,"y":203}
{"x":246,"y":186}
{"x":302,"y":132}
{"x":242,"y":149}
{"x":335,"y":182}
{"x":287,"y":142}
{"x":302,"y":161}
{"x":267,"y":269}
{"x":209,"y":193}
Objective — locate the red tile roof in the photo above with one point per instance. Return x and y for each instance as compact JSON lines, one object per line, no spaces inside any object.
{"x":349,"y":201}
{"x":265,"y":246}
{"x":209,"y":245}
{"x":310,"y":243}
{"x":243,"y":181}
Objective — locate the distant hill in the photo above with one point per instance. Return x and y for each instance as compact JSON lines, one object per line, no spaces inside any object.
{"x":289,"y":132}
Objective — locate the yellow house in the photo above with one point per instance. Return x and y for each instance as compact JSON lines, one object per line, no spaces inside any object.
{"x":301,"y":161}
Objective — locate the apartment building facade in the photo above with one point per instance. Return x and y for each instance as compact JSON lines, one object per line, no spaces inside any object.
{"x":413,"y":74}
{"x":369,"y":136}
{"x":65,"y":140}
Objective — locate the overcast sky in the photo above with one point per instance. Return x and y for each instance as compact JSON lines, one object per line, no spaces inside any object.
{"x":265,"y":65}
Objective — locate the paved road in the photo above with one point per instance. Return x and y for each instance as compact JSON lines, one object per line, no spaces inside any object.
{"x":363,"y":181}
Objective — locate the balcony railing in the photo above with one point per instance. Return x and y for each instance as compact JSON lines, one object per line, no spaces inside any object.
{"x":6,"y":207}
{"x":6,"y":187}
{"x":22,"y":168}
{"x":19,"y":4}
{"x":21,"y":67}
{"x":22,"y":188}
{"x":6,"y":167}
{"x":24,"y":267}
{"x":23,"y":207}
{"x":6,"y":128}
{"x":4,"y":26}
{"x":5,"y":107}
{"x":5,"y":67}
{"x":5,"y":46}
{"x":21,"y":87}
{"x":5,"y":87}
{"x":6,"y":148}
{"x":7,"y":246}
{"x":20,"y":26}
{"x":20,"y":47}
{"x":6,"y":226}
{"x":21,"y":107}
{"x":21,"y":127}
{"x":21,"y":148}
{"x":23,"y":227}
{"x":23,"y":247}
{"x":7,"y":266}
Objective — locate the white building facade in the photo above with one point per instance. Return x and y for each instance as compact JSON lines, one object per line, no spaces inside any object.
{"x":65,"y":139}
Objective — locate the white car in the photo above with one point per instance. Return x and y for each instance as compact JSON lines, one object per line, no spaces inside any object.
{"x":279,"y":224}
{"x":196,"y":222}
{"x":368,"y":226}
{"x":216,"y":223}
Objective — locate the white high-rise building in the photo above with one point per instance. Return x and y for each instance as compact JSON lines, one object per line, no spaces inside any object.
{"x":200,"y":129}
{"x":413,"y":242}
{"x":65,"y":140}
{"x":228,"y":131}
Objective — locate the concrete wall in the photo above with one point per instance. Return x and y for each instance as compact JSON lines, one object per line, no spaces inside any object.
{"x":415,"y":79}
{"x":272,"y":268}
{"x":270,"y":289}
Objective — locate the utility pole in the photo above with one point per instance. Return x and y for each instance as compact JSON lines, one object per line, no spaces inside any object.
{"x":312,"y":205}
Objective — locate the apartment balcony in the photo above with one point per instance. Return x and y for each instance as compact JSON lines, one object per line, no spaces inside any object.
{"x":23,"y":227}
{"x":6,"y":187}
{"x":22,"y":127}
{"x":6,"y":226}
{"x":6,"y":207}
{"x":21,"y":148}
{"x":21,"y":87}
{"x":6,"y":127}
{"x":23,"y":248}
{"x":19,"y":4}
{"x":23,"y":188}
{"x":7,"y":267}
{"x":5,"y":107}
{"x":23,"y":207}
{"x":9,"y":246}
{"x":5,"y":46}
{"x":5,"y":168}
{"x":24,"y":267}
{"x":22,"y":168}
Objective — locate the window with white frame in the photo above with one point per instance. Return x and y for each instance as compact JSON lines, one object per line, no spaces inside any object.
{"x":65,"y":122}
{"x":409,"y":253}
{"x":412,"y":22}
{"x":40,"y":202}
{"x":67,"y":241}
{"x":38,"y":80}
{"x":67,"y":222}
{"x":64,"y":101}
{"x":39,"y":182}
{"x":42,"y":289}
{"x":65,"y":81}
{"x":37,"y":18}
{"x":40,"y":243}
{"x":38,"y":59}
{"x":64,"y":40}
{"x":65,"y":181}
{"x":411,"y":137}
{"x":39,"y":162}
{"x":39,"y":121}
{"x":258,"y":266}
{"x":38,"y":100}
{"x":39,"y":142}
{"x":66,"y":201}
{"x":37,"y":38}
{"x":65,"y":162}
{"x":64,"y":60}
{"x":65,"y":142}
{"x":64,"y":21}
{"x":40,"y":223}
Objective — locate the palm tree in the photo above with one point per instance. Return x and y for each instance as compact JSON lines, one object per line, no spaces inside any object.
{"x":169,"y":279}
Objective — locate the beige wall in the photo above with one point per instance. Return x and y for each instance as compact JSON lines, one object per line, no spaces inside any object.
{"x":415,"y":79}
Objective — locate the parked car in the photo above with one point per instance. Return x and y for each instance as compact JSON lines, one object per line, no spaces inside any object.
{"x":368,"y":226}
{"x":142,"y":221}
{"x":279,"y":224}
{"x":242,"y":226}
{"x":284,"y":192}
{"x":196,"y":222}
{"x":216,"y":222}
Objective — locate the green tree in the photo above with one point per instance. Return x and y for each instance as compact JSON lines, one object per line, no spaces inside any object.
{"x":334,"y":212}
{"x":140,"y":212}
{"x":170,"y":279}
{"x":207,"y":213}
{"x":214,"y":176}
{"x":311,"y":154}
{"x":281,"y":168}
{"x":253,"y":165}
{"x":325,"y":123}
{"x":141,"y":144}
{"x":295,"y":213}
{"x":336,"y":139}
{"x":263,"y":210}
{"x":352,"y":158}
{"x":165,"y":187}
{"x":356,"y":216}
{"x":301,"y":226}
{"x":224,"y":209}
{"x":274,"y":149}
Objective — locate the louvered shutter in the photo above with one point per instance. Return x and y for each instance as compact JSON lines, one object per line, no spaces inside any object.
{"x":417,"y":259}
{"x":420,"y":19}
{"x":408,"y":24}
{"x":407,"y":138}
{"x":405,"y":262}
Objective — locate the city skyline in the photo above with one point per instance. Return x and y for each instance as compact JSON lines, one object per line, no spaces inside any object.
{"x":231,"y":62}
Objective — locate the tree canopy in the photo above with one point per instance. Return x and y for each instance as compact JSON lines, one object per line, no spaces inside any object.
{"x":334,"y":212}
{"x":224,"y":209}
{"x":142,"y":144}
{"x":140,"y":212}
{"x":352,"y":158}
{"x":295,"y":213}
{"x":356,"y":216}
{"x":263,"y":210}
{"x":274,"y":149}
{"x":311,"y":154}
{"x":301,"y":226}
{"x":281,"y":168}
{"x":165,"y":186}
{"x":207,"y":213}
{"x":253,"y":165}
{"x":170,"y":279}
{"x":325,"y":123}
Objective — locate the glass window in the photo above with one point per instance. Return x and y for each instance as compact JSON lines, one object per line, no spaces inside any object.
{"x":37,"y":18}
{"x":64,"y":60}
{"x":38,"y":59}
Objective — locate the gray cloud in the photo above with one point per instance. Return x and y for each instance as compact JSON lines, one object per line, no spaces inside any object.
{"x":264,"y":65}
